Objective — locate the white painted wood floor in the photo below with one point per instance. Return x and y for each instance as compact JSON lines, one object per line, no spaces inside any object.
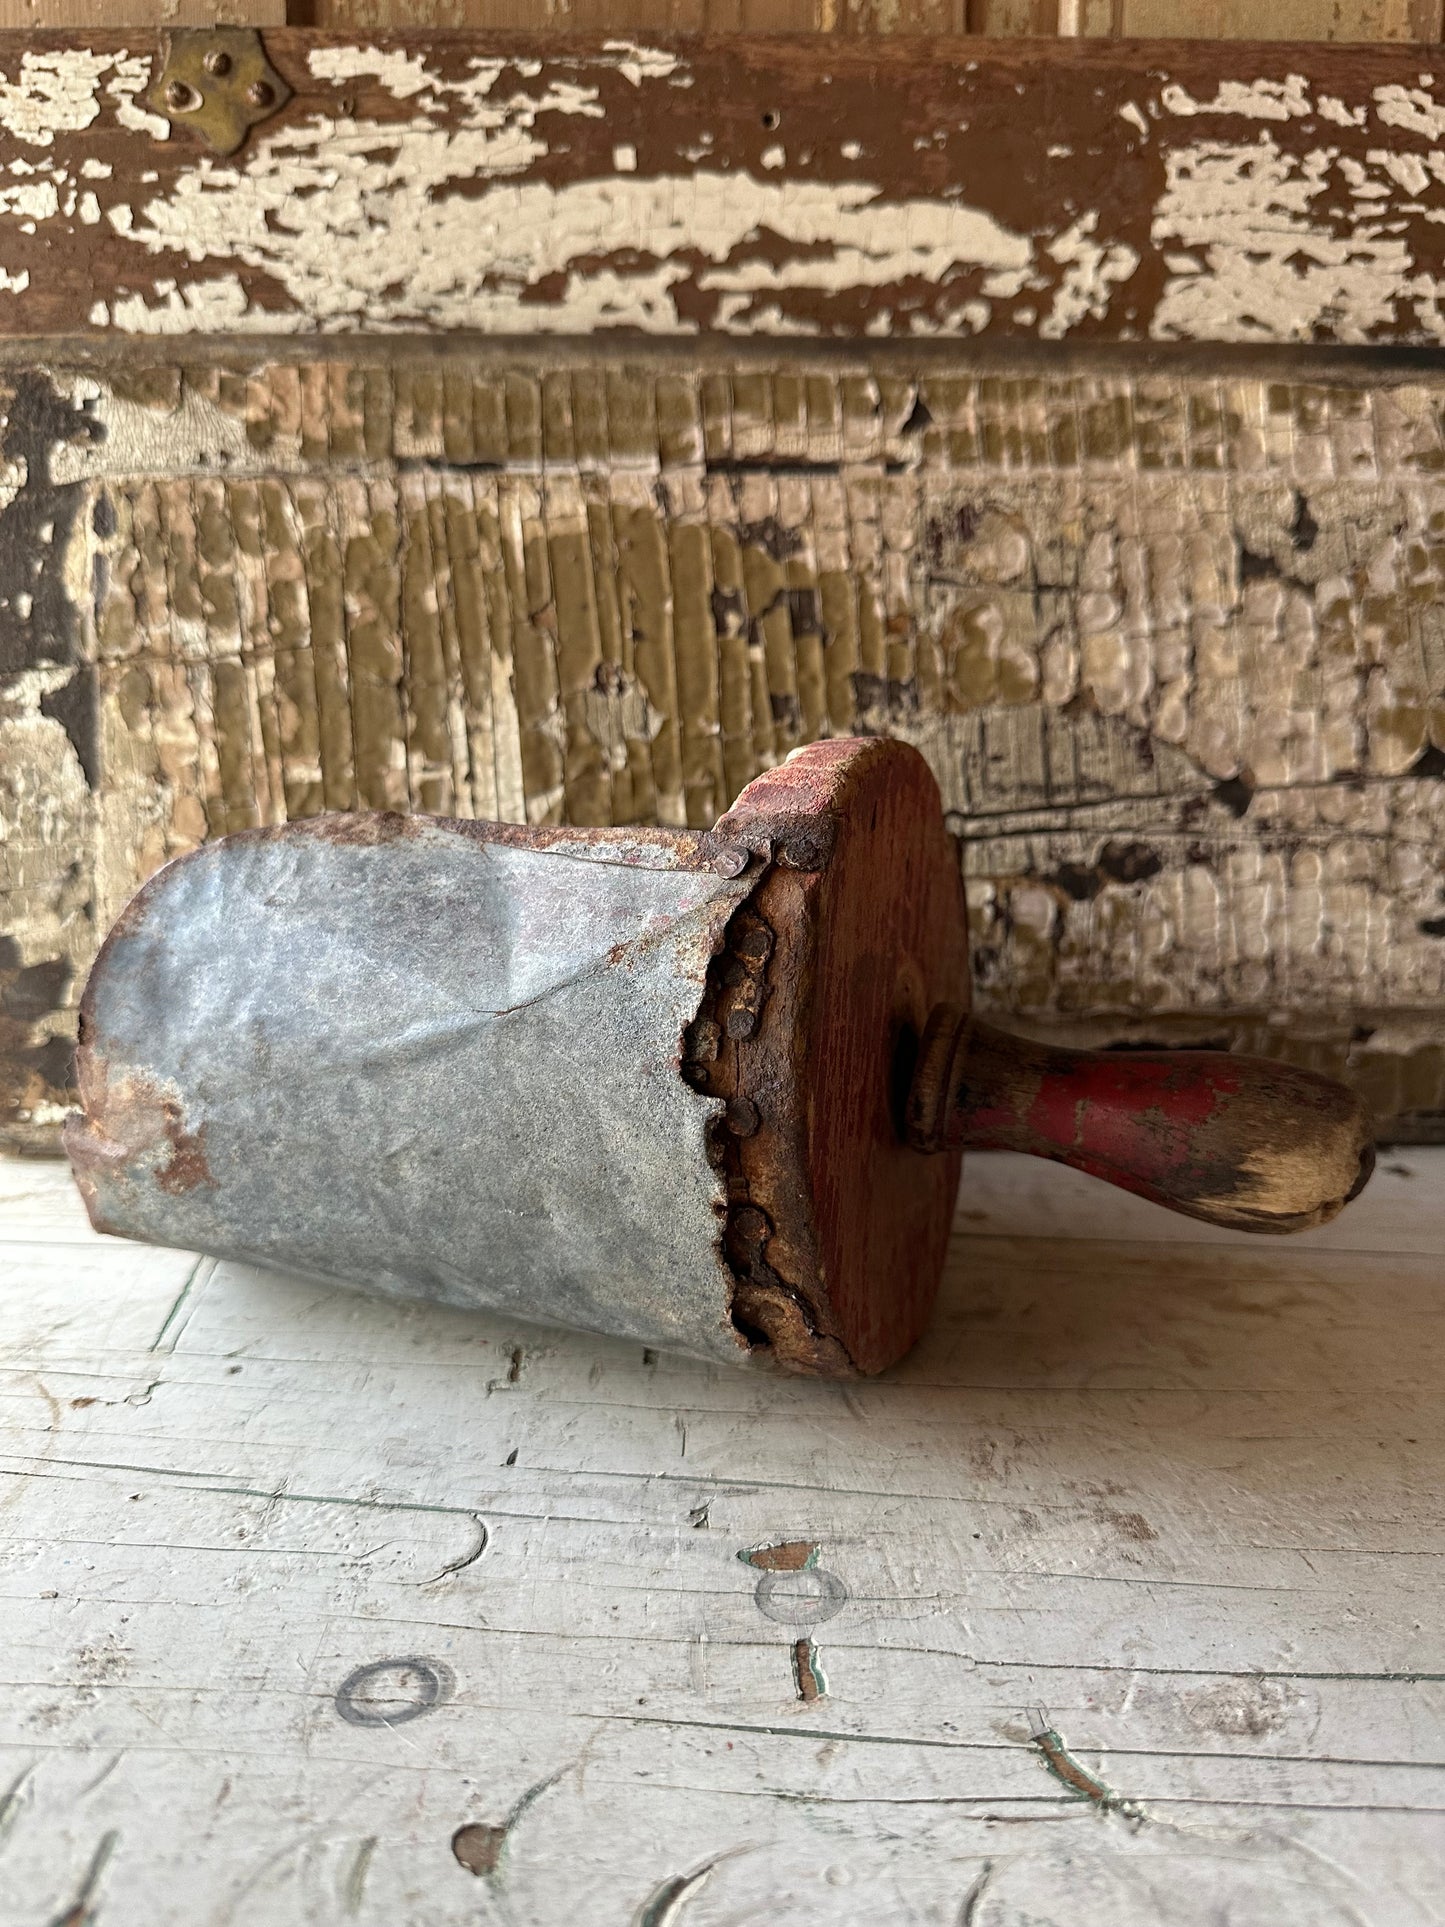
{"x":1126,"y":1605}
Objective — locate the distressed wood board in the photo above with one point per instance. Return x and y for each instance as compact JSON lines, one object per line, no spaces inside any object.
{"x":1115,"y":1605}
{"x":735,"y":186}
{"x":1170,"y":641}
{"x":1176,"y":19}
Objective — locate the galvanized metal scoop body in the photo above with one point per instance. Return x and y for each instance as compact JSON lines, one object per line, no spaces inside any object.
{"x":637,"y":1082}
{"x":400,"y":1053}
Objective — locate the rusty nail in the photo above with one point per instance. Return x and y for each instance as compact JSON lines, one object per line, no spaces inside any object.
{"x":260,"y":93}
{"x":802,"y":854}
{"x":742,"y":1022}
{"x":218,"y":61}
{"x":749,"y":1225}
{"x":181,"y":98}
{"x":742,"y":1117}
{"x":730,"y":861}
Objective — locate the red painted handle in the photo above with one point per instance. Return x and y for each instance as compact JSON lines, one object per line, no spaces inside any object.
{"x":1236,"y":1141}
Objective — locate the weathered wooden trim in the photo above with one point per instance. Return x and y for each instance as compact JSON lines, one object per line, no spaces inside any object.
{"x":517,"y":185}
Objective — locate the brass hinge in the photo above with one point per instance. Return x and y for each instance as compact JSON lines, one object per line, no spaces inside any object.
{"x":217,"y":82}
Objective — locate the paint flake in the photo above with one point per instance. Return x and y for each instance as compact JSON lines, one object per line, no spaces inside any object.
{"x":1257,"y":100}
{"x":1414,"y":109}
{"x":642,"y":63}
{"x":403,"y":75}
{"x":55,"y":94}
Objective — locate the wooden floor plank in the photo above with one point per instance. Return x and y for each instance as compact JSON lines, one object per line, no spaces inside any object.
{"x":1119,"y":1592}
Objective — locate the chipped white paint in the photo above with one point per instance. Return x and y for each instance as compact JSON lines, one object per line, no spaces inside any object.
{"x":1092,"y":271}
{"x":1251,"y":100}
{"x":141,"y":439}
{"x":1235,"y":1634}
{"x":1413,"y":108}
{"x":638,"y":63}
{"x":1132,"y":112}
{"x":1330,"y":107}
{"x":347,"y":233}
{"x":439,"y":221}
{"x":131,"y":77}
{"x":55,"y":93}
{"x":1266,"y":268}
{"x":32,"y":200}
{"x":403,"y":75}
{"x":60,"y":93}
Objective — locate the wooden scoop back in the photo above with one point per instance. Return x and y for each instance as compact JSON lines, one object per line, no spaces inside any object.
{"x":855,"y":1076}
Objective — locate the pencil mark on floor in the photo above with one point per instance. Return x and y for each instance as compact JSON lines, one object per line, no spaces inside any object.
{"x":478,"y":1845}
{"x":968,"y":1912}
{"x":179,"y":1315}
{"x":101,"y":1777}
{"x":12,"y":1800}
{"x":356,"y":1876}
{"x":663,"y":1906}
{"x":467,"y":1558}
{"x":793,"y":1590}
{"x":370,"y":1697}
{"x":82,"y":1910}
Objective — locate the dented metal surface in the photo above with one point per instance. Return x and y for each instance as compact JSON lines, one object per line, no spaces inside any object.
{"x":414,"y":1056}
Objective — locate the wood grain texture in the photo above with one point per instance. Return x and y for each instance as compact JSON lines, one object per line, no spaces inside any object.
{"x":1347,"y":20}
{"x":1340,"y":20}
{"x":1155,"y":1521}
{"x":736,"y":186}
{"x":1168,"y":642}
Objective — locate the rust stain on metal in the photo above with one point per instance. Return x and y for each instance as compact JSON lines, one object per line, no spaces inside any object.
{"x":365,"y":828}
{"x":132,"y":1121}
{"x":186,"y":1166}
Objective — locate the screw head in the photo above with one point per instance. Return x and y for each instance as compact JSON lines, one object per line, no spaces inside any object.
{"x":218,"y":61}
{"x":260,"y":93}
{"x":182,"y":99}
{"x":730,"y":861}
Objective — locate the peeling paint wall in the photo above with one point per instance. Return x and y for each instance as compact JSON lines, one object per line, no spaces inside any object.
{"x":1172,"y":645}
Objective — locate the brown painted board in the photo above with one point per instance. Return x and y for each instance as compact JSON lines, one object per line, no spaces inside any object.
{"x":1171,"y":642}
{"x":924,"y":191}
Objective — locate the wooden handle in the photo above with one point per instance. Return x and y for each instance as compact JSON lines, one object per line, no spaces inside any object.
{"x":1235,"y":1141}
